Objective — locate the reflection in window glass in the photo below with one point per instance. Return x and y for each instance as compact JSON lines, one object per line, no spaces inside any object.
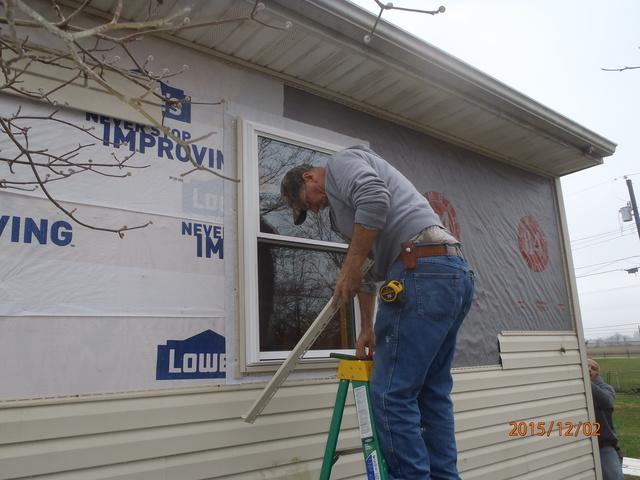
{"x":294,"y":286}
{"x":275,"y":159}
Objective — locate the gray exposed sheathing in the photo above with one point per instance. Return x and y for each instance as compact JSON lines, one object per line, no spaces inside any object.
{"x":506,"y":219}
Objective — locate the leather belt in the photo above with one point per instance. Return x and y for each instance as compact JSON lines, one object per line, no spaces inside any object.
{"x":410,"y":253}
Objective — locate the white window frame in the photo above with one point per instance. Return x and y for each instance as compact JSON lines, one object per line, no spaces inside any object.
{"x":251,"y":359}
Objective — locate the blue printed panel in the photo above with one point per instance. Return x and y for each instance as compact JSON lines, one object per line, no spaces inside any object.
{"x":201,"y":356}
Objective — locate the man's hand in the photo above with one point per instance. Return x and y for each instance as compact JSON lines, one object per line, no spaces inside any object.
{"x":348,"y":283}
{"x":365,"y":344}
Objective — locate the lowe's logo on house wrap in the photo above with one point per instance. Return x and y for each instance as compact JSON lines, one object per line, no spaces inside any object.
{"x":203,"y":197}
{"x":201,"y":356}
{"x":178,"y":106}
{"x":40,"y":231}
{"x":209,"y":239}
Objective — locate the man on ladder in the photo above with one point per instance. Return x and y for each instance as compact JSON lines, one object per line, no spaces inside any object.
{"x":428,"y":288}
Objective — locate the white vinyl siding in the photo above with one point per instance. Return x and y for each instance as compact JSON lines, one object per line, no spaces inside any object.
{"x":201,"y":436}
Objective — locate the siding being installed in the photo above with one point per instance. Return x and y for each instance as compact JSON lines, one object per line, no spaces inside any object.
{"x":200,"y":435}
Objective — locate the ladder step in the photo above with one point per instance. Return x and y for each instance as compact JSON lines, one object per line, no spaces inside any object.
{"x":348,"y":451}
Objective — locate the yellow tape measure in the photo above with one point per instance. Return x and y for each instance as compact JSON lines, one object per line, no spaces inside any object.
{"x":390,"y":292}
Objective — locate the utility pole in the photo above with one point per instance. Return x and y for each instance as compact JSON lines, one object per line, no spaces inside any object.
{"x":634,"y":206}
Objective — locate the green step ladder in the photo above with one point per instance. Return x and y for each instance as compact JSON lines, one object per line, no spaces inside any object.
{"x":357,"y":372}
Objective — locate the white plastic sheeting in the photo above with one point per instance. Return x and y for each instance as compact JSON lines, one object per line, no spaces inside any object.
{"x":54,"y":267}
{"x":84,"y":311}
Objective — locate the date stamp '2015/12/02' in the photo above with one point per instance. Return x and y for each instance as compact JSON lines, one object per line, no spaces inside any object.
{"x":561,"y":428}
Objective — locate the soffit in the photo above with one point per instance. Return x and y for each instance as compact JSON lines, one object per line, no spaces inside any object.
{"x":396,"y":76}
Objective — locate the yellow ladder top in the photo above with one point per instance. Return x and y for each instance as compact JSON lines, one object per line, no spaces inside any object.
{"x":358,"y":370}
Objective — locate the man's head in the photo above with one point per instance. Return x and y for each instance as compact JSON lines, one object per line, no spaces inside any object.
{"x":594,"y":368}
{"x":302,"y":188}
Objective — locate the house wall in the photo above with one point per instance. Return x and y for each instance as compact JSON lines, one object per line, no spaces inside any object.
{"x":199,"y":435}
{"x":101,"y":420}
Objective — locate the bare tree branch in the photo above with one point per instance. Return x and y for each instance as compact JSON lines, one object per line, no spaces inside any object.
{"x":41,"y":183}
{"x":90,"y":56}
{"x":389,"y":6}
{"x":619,"y":69}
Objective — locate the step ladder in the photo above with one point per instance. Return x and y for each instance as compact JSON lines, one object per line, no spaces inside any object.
{"x":356,"y":372}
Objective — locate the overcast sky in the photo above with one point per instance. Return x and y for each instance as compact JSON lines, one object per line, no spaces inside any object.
{"x":553,"y":52}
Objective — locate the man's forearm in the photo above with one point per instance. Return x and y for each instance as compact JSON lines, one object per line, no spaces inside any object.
{"x":367,"y":304}
{"x":350,"y":278}
{"x":362,"y":240}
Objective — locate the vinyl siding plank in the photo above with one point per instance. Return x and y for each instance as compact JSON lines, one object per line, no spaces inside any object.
{"x":347,"y":467}
{"x":539,"y":359}
{"x":522,"y":446}
{"x":480,"y":437}
{"x":236,"y":462}
{"x":511,"y":395}
{"x":200,"y":435}
{"x":96,"y":450}
{"x":479,"y":380}
{"x":537,"y":343}
{"x":66,"y":420}
{"x":504,"y":414}
{"x":527,"y":463}
{"x":581,"y":467}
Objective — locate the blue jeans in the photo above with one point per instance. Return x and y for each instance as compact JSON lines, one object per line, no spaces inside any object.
{"x":411,"y":383}
{"x":610,"y":463}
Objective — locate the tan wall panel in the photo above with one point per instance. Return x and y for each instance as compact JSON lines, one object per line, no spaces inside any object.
{"x":200,"y":436}
{"x":539,"y":359}
{"x":537,"y":343}
{"x":465,"y":380}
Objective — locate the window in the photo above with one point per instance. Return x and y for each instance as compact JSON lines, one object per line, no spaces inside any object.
{"x":289,"y":271}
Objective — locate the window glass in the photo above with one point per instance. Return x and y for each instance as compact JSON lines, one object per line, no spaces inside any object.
{"x":294,"y":286}
{"x":275,"y":159}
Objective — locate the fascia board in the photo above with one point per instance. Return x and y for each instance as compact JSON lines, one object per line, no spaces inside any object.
{"x":392,"y":42}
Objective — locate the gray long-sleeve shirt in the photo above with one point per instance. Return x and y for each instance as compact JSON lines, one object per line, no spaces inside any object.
{"x":363,"y":188}
{"x":603,"y":399}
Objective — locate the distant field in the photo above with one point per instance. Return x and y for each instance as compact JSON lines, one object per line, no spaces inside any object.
{"x":624,"y":375}
{"x":621,"y":373}
{"x":626,"y":419}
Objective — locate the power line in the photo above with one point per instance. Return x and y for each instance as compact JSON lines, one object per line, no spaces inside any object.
{"x":617,"y":325}
{"x":610,"y":232}
{"x":602,"y":273}
{"x":604,"y":240}
{"x":601,"y":238}
{"x":600,"y":266}
{"x":609,"y":262}
{"x":623,"y":331}
{"x":595,"y":236}
{"x":590,"y":292}
{"x":591,"y":187}
{"x":600,"y":184}
{"x":588,"y":237}
{"x":611,"y":329}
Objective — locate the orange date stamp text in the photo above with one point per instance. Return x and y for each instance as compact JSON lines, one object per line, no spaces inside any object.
{"x":560,"y":428}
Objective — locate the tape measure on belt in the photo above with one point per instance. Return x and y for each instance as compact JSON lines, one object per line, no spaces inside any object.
{"x":391,"y":291}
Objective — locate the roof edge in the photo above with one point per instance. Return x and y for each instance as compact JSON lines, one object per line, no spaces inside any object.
{"x":355,"y":22}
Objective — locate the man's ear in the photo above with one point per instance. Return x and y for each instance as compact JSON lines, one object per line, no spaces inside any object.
{"x":308,"y":175}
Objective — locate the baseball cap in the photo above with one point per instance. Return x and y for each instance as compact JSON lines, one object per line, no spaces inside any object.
{"x":290,"y":191}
